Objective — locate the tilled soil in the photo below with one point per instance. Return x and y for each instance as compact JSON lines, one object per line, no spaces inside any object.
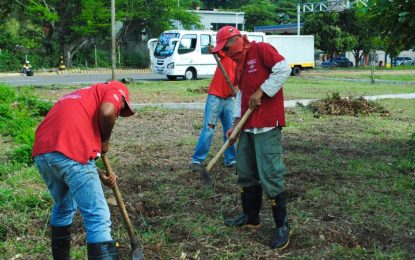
{"x":178,"y":218}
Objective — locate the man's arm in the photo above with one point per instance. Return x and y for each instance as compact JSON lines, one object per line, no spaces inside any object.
{"x":279,"y":74}
{"x":107,"y":116}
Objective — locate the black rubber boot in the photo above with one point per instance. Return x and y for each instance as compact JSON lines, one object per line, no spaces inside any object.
{"x":104,"y":251}
{"x":251,"y":205}
{"x":281,"y":237}
{"x":61,"y":242}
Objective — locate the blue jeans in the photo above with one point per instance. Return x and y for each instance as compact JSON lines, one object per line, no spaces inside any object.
{"x":215,"y":108}
{"x":73,"y":185}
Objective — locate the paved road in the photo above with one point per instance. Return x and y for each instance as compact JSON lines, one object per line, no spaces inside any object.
{"x":74,"y":79}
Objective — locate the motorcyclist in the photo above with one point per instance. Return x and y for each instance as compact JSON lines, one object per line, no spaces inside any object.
{"x":27,"y":69}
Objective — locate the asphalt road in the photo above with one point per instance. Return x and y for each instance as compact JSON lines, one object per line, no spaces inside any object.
{"x":74,"y":79}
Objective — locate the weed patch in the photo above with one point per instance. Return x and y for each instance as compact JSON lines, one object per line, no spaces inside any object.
{"x":337,"y":106}
{"x":200,"y":90}
{"x":19,"y":115}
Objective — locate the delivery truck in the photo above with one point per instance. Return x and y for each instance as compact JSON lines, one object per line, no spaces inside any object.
{"x":298,"y":50}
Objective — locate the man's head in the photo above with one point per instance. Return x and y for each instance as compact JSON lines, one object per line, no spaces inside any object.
{"x":127,"y":110}
{"x":231,"y":42}
{"x":223,"y":35}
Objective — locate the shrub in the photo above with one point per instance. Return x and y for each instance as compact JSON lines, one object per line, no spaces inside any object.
{"x":19,"y":116}
{"x":9,"y":61}
{"x":22,"y":154}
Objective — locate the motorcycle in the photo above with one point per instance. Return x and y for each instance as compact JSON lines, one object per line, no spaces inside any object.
{"x":27,"y":69}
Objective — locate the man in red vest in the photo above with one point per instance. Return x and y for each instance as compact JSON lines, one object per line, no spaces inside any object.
{"x":260,"y":74}
{"x":74,"y":133}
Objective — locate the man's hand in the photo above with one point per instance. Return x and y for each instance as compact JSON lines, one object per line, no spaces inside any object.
{"x":108,"y":181}
{"x":255,"y":99}
{"x":230,"y":131}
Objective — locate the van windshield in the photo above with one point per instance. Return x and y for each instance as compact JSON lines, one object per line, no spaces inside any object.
{"x":166,"y":44}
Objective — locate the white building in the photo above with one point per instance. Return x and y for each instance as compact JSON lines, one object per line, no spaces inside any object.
{"x":214,"y":20}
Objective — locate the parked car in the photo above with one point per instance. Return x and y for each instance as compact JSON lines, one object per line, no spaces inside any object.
{"x":404,"y":61}
{"x":337,"y":62}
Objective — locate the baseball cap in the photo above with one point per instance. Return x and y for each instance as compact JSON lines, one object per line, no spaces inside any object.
{"x":223,"y":35}
{"x":128,"y":111}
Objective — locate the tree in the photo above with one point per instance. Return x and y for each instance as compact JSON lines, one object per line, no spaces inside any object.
{"x":262,"y":12}
{"x":71,"y":23}
{"x":286,"y":11}
{"x":153,"y":17}
{"x":344,"y":31}
{"x":360,"y":37}
{"x":328,"y":36}
{"x":395,"y":20}
{"x":77,"y":24}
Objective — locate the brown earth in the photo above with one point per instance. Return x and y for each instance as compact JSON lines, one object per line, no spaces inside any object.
{"x":170,"y":208}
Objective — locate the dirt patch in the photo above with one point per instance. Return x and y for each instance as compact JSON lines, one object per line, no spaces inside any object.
{"x":177,"y":217}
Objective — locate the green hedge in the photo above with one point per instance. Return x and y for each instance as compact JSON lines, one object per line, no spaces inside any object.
{"x":19,"y":115}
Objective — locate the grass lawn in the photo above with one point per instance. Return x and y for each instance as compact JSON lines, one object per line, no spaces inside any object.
{"x":195,"y":91}
{"x":350,"y":180}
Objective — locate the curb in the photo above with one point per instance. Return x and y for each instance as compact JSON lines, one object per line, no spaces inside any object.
{"x":103,"y":71}
{"x":79,"y":71}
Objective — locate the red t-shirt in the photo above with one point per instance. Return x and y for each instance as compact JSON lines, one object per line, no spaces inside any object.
{"x":260,"y":59}
{"x":218,"y":86}
{"x":71,"y":127}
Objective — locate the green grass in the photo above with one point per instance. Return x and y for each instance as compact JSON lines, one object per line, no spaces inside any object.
{"x":295,"y":88}
{"x":378,"y":76}
{"x":300,"y":88}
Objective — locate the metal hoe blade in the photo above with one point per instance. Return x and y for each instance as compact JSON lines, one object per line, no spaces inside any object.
{"x":206,"y":179}
{"x":137,"y":249}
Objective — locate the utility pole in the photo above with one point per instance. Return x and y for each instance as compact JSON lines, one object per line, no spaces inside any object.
{"x":113,"y":47}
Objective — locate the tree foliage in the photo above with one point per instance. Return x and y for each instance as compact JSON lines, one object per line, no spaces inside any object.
{"x":64,"y":27}
{"x":395,"y":20}
{"x":262,"y":12}
{"x":344,"y":31}
{"x":155,"y":16}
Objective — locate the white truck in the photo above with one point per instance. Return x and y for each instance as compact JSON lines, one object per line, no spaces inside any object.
{"x":183,"y":53}
{"x":298,"y":50}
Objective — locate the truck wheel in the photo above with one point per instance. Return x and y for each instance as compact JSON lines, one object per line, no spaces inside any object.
{"x":295,"y":71}
{"x":171,"y":77}
{"x":190,"y":74}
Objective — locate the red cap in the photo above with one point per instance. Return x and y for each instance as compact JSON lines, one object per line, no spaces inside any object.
{"x":127,"y":111}
{"x":223,"y":35}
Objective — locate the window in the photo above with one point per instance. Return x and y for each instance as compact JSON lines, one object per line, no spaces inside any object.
{"x":205,"y":41}
{"x":166,"y":44}
{"x":187,"y":43}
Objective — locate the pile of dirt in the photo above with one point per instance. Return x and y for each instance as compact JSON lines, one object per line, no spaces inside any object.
{"x":201,"y":90}
{"x":337,"y":106}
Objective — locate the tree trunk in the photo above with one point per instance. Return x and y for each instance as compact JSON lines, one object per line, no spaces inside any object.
{"x":69,"y":50}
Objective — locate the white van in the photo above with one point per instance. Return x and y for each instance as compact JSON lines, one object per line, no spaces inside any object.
{"x":183,"y":53}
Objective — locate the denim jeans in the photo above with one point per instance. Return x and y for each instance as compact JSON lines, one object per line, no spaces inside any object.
{"x":215,"y":108}
{"x":73,"y":185}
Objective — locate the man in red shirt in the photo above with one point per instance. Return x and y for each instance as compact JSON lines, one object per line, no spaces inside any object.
{"x":219,"y":105}
{"x":74,"y":133}
{"x":260,"y":74}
